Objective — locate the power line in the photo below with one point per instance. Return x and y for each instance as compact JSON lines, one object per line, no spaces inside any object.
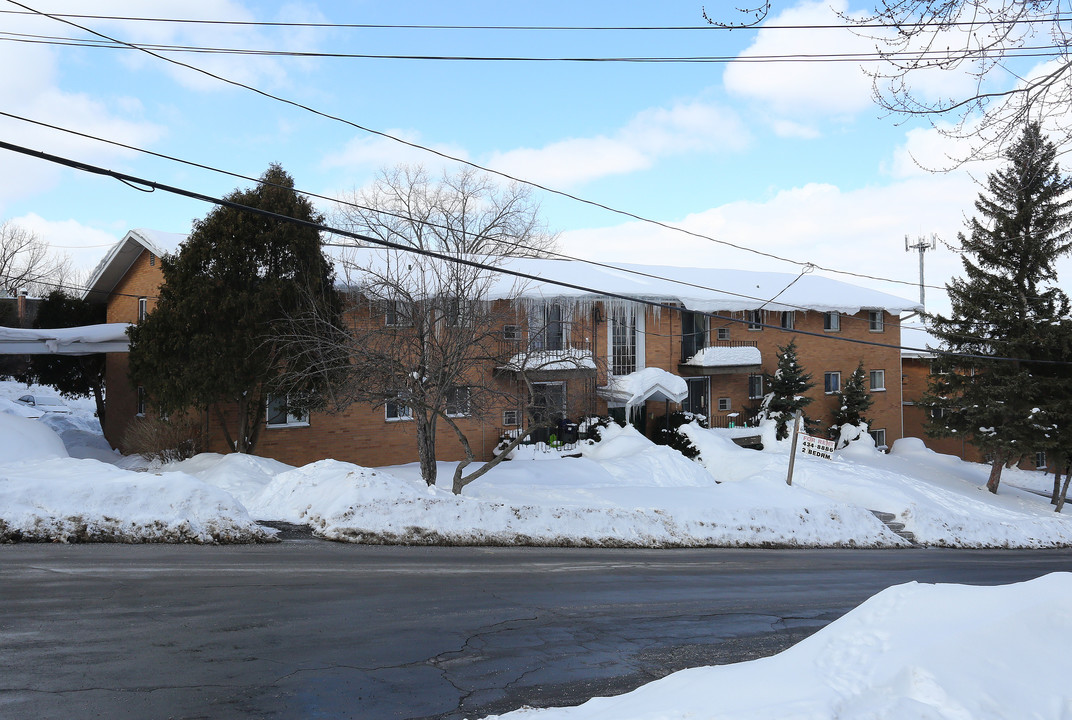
{"x":452,"y":158}
{"x":1047,"y":18}
{"x":427,"y":223}
{"x":464,"y":261}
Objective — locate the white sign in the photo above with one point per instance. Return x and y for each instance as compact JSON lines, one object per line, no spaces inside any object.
{"x":819,"y":447}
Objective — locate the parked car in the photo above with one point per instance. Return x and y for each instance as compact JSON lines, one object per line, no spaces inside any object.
{"x":44,"y":403}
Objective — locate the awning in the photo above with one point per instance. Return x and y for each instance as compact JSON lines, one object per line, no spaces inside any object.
{"x":637,"y":388}
{"x":716,"y":360}
{"x":85,"y":340}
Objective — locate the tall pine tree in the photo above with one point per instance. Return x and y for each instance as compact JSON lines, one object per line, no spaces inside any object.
{"x":212,"y":341}
{"x":1004,"y":306}
{"x":787,"y":388}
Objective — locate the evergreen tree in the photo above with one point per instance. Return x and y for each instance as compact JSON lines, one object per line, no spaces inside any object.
{"x":853,"y":401}
{"x":787,"y":388}
{"x":71,"y":376}
{"x":1003,"y":307}
{"x":212,"y":341}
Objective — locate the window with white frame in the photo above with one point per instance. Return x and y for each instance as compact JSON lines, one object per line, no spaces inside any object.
{"x":723,"y":334}
{"x":141,"y":402}
{"x":788,"y":320}
{"x":832,"y":321}
{"x":548,"y":402}
{"x":623,"y":343}
{"x":280,"y":413}
{"x":696,"y":401}
{"x":143,"y":308}
{"x":878,"y":380}
{"x":1040,"y":461}
{"x":755,"y":319}
{"x":396,"y":313}
{"x":459,"y":312}
{"x":755,"y":387}
{"x":875,"y":321}
{"x":511,"y":418}
{"x":831,"y":382}
{"x":511,"y":332}
{"x":395,"y":409}
{"x":723,"y":404}
{"x":459,"y":401}
{"x":879,"y":436}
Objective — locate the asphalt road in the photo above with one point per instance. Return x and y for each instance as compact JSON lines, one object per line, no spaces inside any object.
{"x":309,"y":629}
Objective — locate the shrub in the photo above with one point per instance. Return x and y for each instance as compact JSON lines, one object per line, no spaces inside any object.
{"x":164,"y":439}
{"x":670,"y":436}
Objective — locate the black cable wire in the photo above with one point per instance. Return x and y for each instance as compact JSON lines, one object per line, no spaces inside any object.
{"x":447,"y":156}
{"x":465,"y":261}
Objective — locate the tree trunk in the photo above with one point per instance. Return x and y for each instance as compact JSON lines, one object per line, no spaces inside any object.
{"x":995,"y":475}
{"x":98,"y":398}
{"x":460,"y":482}
{"x":240,"y":425}
{"x":223,"y":426}
{"x":1064,"y":490}
{"x":426,"y":437}
{"x":1056,"y":486}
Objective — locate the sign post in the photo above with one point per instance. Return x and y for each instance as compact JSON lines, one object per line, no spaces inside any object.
{"x":793,"y":450}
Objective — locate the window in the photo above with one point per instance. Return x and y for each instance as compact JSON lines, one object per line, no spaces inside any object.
{"x":788,"y":320}
{"x":832,"y":321}
{"x":832,"y":382}
{"x":281,"y":414}
{"x":755,"y":319}
{"x":696,"y":402}
{"x":141,"y":401}
{"x":623,"y":344}
{"x":395,"y":409}
{"x":511,"y":417}
{"x":693,"y":334}
{"x":879,"y":436}
{"x":548,"y":402}
{"x":143,"y":308}
{"x":938,"y":412}
{"x":875,"y":320}
{"x":878,"y":380}
{"x":755,"y":387}
{"x":396,"y":314}
{"x":723,"y":333}
{"x":1040,"y":461}
{"x":548,"y":330}
{"x":511,"y":332}
{"x":152,"y":260}
{"x":723,"y":404}
{"x":458,"y":401}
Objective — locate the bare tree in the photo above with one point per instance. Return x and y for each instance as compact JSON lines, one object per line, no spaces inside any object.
{"x":993,"y":43}
{"x":27,"y":263}
{"x":436,"y":339}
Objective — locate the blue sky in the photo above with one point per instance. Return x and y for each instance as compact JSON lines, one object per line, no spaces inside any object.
{"x":791,"y":159}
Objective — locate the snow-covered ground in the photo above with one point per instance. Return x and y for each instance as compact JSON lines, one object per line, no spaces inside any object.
{"x":59,"y":481}
{"x":912,"y":652}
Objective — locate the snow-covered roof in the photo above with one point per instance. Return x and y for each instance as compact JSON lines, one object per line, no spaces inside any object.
{"x":85,"y":340}
{"x":111,"y":269}
{"x":726,"y":357}
{"x":703,"y":289}
{"x":917,"y":341}
{"x":638,"y":387}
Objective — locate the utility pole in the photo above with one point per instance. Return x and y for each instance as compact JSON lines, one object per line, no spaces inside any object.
{"x":923,"y":245}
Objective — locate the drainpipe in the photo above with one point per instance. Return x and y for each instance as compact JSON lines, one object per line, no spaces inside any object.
{"x":22,"y":309}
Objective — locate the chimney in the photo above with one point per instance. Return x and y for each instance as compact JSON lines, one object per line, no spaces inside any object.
{"x":22,"y":309}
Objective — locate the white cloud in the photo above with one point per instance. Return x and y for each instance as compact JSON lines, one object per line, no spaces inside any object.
{"x":83,"y":244}
{"x":859,"y":230}
{"x":652,"y":134}
{"x":372,"y":152}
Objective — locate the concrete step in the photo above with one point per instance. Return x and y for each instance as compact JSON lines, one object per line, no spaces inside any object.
{"x":898,"y":528}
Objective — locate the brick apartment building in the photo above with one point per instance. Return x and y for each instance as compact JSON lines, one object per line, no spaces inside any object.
{"x":717,"y":329}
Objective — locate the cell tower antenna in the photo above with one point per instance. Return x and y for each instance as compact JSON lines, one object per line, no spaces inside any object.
{"x":922,"y":245}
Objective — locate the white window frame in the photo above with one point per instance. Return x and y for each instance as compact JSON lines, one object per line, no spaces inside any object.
{"x":1040,"y":460}
{"x":879,"y":436}
{"x":293,"y":419}
{"x":724,"y":404}
{"x":143,"y":308}
{"x":875,"y":321}
{"x":754,"y":319}
{"x":789,"y":320}
{"x":511,"y":418}
{"x":139,"y":401}
{"x":759,"y":379}
{"x":468,"y":409}
{"x":640,"y":346}
{"x":722,"y":334}
{"x":832,"y":321}
{"x":391,"y":314}
{"x":834,"y":374}
{"x":882,"y":380}
{"x":402,"y":412}
{"x":511,"y":332}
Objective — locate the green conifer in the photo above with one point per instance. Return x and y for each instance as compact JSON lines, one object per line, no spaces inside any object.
{"x":787,"y":388}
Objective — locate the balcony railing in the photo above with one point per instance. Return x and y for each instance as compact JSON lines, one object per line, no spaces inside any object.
{"x":519,"y":355}
{"x":690,"y":346}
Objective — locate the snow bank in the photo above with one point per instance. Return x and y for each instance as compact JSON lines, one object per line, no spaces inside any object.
{"x":81,"y":435}
{"x":23,"y":439}
{"x":67,"y":499}
{"x":243,"y":476}
{"x":924,"y":652}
